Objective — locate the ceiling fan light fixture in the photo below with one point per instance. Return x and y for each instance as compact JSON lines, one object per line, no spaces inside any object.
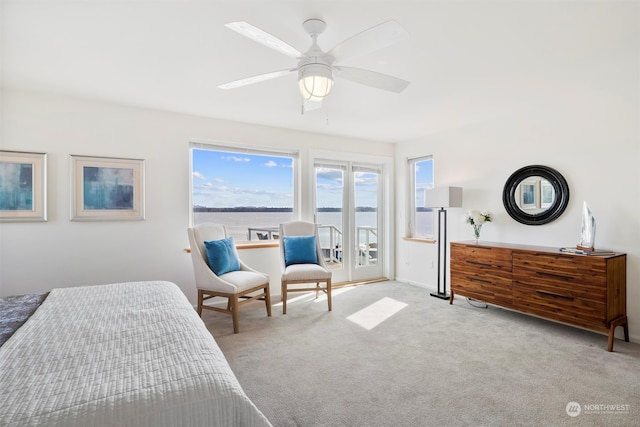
{"x":315,"y":81}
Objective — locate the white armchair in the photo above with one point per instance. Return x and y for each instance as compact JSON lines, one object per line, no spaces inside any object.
{"x":245,"y":283}
{"x":301,"y":272}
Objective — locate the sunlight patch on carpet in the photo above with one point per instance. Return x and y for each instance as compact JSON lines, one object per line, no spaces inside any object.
{"x":311,"y":296}
{"x":334,"y":293}
{"x":373,"y":315}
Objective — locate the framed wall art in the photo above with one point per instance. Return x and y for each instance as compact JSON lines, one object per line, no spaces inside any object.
{"x":547,"y":194}
{"x":529,"y":194}
{"x":23,"y":186}
{"x":106,"y":189}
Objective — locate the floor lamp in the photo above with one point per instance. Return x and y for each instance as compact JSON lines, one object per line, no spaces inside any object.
{"x":444,"y":197}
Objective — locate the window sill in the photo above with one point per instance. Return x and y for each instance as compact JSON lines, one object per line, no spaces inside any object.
{"x":251,"y":245}
{"x":419,"y":240}
{"x":258,"y":244}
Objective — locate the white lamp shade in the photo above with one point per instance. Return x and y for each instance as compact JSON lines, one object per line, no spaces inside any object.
{"x":443,"y":197}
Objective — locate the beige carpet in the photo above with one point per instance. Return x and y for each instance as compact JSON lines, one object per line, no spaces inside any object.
{"x":427,"y":364}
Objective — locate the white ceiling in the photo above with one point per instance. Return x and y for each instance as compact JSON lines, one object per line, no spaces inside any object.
{"x":467,"y":61}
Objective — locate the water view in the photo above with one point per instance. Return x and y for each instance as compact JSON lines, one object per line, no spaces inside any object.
{"x":238,"y":223}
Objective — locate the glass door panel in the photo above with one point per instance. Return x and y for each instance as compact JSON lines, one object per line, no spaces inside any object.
{"x":367,"y":222}
{"x":330,"y":215}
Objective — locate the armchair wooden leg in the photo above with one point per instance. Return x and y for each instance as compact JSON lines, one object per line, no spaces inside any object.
{"x":329,"y":293}
{"x":283,"y":295}
{"x":200,"y":302}
{"x":267,"y":300}
{"x":234,"y":313}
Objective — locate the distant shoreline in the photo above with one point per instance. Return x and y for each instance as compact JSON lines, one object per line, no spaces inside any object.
{"x":264,"y":209}
{"x":241,"y":209}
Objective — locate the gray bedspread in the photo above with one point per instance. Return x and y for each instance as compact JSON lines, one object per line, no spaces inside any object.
{"x":15,"y":310}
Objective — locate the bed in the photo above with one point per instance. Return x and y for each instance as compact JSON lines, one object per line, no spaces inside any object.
{"x":126,"y":354}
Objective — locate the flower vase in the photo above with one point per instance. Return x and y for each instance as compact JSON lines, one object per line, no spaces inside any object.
{"x":476,"y":231}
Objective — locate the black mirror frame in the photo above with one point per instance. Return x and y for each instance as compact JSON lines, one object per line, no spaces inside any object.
{"x":554,"y":177}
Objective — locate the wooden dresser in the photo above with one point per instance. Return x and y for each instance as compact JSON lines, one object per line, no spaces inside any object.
{"x":582,"y":290}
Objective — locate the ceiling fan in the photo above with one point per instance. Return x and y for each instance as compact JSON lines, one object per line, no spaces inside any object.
{"x":316,"y":69}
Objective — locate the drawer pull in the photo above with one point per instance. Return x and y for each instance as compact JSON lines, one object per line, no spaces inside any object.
{"x":475,"y":279}
{"x":484,"y":264}
{"x":551,"y":294}
{"x":558,"y":276}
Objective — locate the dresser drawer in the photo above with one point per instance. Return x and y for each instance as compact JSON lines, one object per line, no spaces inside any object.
{"x":495,"y":290}
{"x":482,"y":273}
{"x":577,"y":276}
{"x":480,"y":258}
{"x":559,"y":305}
{"x":581,"y":268}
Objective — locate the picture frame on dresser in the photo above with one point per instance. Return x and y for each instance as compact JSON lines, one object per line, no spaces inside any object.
{"x":23,"y":186}
{"x":107,"y":189}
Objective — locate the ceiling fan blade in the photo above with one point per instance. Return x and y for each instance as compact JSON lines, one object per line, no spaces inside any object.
{"x":373,"y":79}
{"x":308,"y":105}
{"x":256,"y":79}
{"x":262,"y":37}
{"x":377,"y":37}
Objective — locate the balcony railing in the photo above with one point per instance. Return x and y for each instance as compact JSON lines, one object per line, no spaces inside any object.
{"x":331,"y":241}
{"x":367,"y":245}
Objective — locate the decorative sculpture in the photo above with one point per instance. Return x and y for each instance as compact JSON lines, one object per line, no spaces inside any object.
{"x":588,"y":231}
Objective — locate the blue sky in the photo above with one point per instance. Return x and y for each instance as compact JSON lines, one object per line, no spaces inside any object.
{"x":227,"y":179}
{"x":424,"y":179}
{"x":234,"y":179}
{"x":330,"y":183}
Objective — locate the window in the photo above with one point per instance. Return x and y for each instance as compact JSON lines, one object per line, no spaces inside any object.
{"x":420,"y":178}
{"x":249,"y":191}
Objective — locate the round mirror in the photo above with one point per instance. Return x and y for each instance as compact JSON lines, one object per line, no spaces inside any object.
{"x":535,"y":195}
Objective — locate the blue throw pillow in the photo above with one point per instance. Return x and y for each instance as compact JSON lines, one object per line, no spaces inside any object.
{"x":222,"y":256}
{"x":300,"y":250}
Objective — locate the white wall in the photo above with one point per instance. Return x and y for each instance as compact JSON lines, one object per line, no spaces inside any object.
{"x":37,"y":257}
{"x":590,"y":133}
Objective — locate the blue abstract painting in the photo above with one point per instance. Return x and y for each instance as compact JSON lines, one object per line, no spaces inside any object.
{"x":108,"y":188}
{"x":16,"y":186}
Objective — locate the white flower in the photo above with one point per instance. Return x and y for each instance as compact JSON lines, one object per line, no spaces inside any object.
{"x":476,"y":217}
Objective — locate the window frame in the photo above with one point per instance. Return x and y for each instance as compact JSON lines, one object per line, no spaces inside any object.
{"x":251,"y":150}
{"x":411,"y":200}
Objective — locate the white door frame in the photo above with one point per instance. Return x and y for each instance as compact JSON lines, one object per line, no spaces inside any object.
{"x":387,"y":203}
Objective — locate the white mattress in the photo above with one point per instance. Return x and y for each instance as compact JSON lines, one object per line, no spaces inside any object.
{"x":127,"y":354}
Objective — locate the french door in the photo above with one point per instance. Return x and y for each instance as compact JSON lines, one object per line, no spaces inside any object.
{"x":348,"y":199}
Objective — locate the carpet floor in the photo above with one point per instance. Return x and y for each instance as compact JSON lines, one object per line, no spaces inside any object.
{"x":389,"y":354}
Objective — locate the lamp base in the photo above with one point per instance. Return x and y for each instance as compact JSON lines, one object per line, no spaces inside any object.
{"x":440,"y":295}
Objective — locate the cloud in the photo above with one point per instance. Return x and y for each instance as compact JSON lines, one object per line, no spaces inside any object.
{"x":330,"y":174}
{"x":236,"y":158}
{"x":368,"y":179}
{"x":271,"y":164}
{"x":198,"y":175}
